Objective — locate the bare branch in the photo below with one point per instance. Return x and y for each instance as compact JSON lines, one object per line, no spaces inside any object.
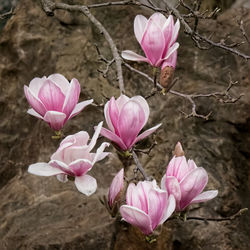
{"x":223,"y":96}
{"x":230,"y":218}
{"x":243,"y":31}
{"x":139,"y":166}
{"x":49,"y":8}
{"x":107,"y":62}
{"x":6,"y":14}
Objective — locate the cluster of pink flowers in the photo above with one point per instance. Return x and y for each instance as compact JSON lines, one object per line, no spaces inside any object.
{"x":55,"y":101}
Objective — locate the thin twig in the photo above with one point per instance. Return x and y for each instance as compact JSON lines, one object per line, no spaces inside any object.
{"x":6,"y":14}
{"x":49,"y":8}
{"x":139,"y":166}
{"x":229,"y":218}
{"x":243,"y":31}
{"x":222,"y":96}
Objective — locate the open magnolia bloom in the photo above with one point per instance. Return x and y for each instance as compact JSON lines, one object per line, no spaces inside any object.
{"x":147,"y":206}
{"x":54,"y":99}
{"x":125,"y":118}
{"x":157,"y":36}
{"x":74,"y":159}
{"x":186,"y":182}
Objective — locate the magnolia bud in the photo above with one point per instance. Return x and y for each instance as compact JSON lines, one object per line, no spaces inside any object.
{"x":178,"y":151}
{"x":115,"y":191}
{"x":166,"y":78}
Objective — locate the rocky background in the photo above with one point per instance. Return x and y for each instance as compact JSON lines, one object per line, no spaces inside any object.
{"x":42,"y":213}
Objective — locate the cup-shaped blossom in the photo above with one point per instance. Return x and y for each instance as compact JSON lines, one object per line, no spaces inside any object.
{"x":125,"y":118}
{"x":186,"y":182}
{"x":147,"y":206}
{"x":54,"y":99}
{"x":74,"y":159}
{"x":116,"y":188}
{"x":157,"y":37}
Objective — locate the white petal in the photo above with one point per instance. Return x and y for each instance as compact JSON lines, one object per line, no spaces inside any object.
{"x":140,"y":23}
{"x":34,"y":113}
{"x":43,"y":169}
{"x":86,"y":184}
{"x":132,"y":56}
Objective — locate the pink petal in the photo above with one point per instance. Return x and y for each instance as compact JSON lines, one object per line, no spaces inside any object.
{"x":137,"y":218}
{"x":79,"y":107}
{"x":140,"y":195}
{"x":175,"y":32}
{"x":34,"y":113}
{"x":143,"y":103}
{"x":51,"y":96}
{"x":107,"y":117}
{"x":34,"y":102}
{"x":72,"y":97}
{"x":116,"y":186}
{"x":192,"y":185}
{"x":129,"y":193}
{"x":113,"y":114}
{"x":121,"y":101}
{"x":131,"y":121}
{"x":168,"y":31}
{"x":43,"y":169}
{"x":113,"y":137}
{"x":147,"y":133}
{"x":178,"y":167}
{"x":86,"y":184}
{"x":170,"y":208}
{"x":132,"y":56}
{"x":95,"y":136}
{"x":36,"y":84}
{"x":55,"y":119}
{"x":153,"y":43}
{"x":61,"y":166}
{"x":205,"y":196}
{"x":99,"y":155}
{"x":173,"y":187}
{"x":157,"y":200}
{"x":171,"y":50}
{"x":171,"y":61}
{"x":61,"y":82}
{"x":159,"y":19}
{"x":140,"y":23}
{"x":79,"y":139}
{"x":80,"y":167}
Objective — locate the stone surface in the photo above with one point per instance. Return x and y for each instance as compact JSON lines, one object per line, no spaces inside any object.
{"x":42,"y":213}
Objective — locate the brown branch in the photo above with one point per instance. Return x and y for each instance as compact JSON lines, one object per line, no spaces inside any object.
{"x":222,"y":96}
{"x":6,"y":14}
{"x":49,"y":8}
{"x":229,"y":218}
{"x":107,"y":62}
{"x":139,"y":166}
{"x":243,"y":31}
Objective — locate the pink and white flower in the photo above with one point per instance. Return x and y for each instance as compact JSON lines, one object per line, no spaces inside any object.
{"x":54,"y":99}
{"x":157,"y":37}
{"x":116,"y":188}
{"x":74,"y":159}
{"x":147,"y":206}
{"x":125,"y":118}
{"x":186,"y":182}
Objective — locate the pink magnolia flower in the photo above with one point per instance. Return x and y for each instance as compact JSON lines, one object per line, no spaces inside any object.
{"x":54,"y":99}
{"x":116,"y":188}
{"x":73,"y":158}
{"x":186,"y":181}
{"x":125,"y":118}
{"x":157,"y":36}
{"x":147,"y":206}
